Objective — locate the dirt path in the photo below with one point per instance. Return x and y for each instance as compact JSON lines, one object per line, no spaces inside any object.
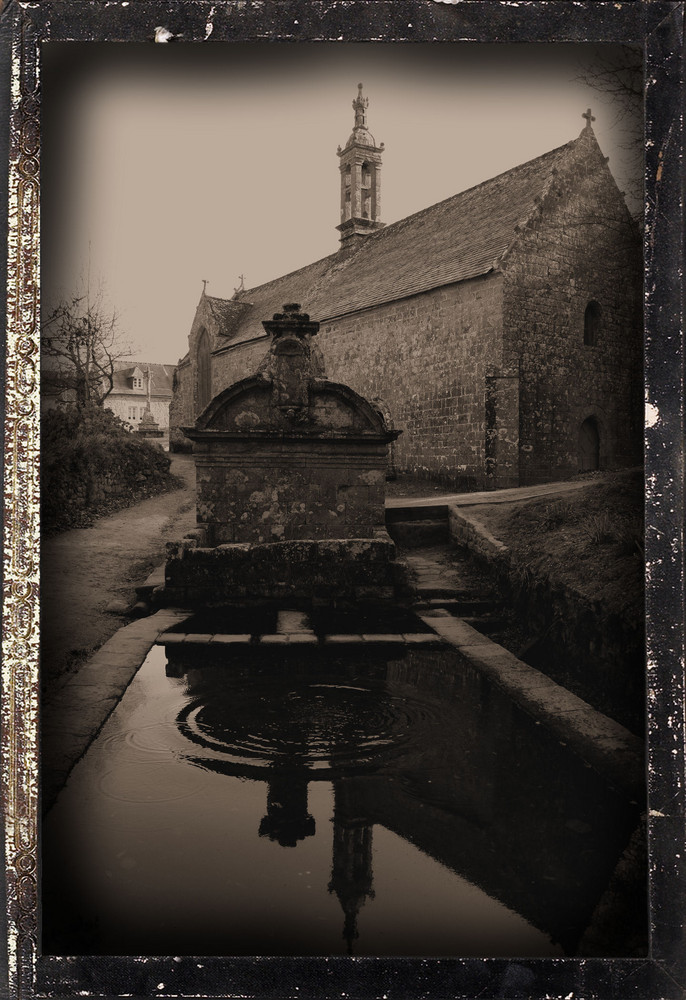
{"x":89,"y":575}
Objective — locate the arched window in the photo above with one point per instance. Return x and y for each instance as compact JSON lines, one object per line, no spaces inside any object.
{"x":589,"y":445}
{"x":204,"y":371}
{"x":592,"y":318}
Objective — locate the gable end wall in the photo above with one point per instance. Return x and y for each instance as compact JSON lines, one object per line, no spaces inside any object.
{"x":563,"y":260}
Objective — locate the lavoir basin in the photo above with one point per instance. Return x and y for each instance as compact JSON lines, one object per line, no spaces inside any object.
{"x":312,"y":796}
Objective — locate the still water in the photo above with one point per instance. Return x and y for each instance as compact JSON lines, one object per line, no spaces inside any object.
{"x":317,"y":802}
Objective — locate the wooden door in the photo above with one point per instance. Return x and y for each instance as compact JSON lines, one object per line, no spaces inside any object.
{"x":589,"y":446}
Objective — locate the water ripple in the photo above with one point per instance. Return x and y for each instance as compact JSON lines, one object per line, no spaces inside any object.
{"x":149,"y":783}
{"x":321,"y":728}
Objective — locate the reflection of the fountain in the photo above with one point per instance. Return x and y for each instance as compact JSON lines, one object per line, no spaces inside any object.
{"x":287,"y":820}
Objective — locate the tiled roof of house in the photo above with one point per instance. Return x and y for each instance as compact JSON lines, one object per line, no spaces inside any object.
{"x":453,"y":240}
{"x":160,"y":382}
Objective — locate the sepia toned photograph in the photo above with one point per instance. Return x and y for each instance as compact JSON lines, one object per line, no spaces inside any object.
{"x":342,"y":645}
{"x":341,"y":574}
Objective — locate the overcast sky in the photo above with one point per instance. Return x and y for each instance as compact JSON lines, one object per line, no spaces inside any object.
{"x":178,"y":163}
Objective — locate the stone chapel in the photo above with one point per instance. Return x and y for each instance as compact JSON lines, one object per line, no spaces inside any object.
{"x":500,"y":329}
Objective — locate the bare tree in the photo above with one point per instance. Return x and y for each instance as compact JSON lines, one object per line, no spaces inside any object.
{"x":618,"y":76}
{"x":81,"y":345}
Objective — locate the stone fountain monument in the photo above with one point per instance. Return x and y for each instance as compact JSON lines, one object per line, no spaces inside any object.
{"x":291,"y":471}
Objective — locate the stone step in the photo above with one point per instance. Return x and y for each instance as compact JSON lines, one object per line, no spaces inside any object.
{"x":426,"y":512}
{"x":418,"y":534}
{"x":156,"y":579}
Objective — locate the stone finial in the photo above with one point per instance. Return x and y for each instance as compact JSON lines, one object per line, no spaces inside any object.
{"x":360,"y":105}
{"x":589,"y":118}
{"x":292,"y":361}
{"x":292,"y":322}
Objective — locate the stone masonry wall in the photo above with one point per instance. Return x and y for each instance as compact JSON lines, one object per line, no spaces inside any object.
{"x":567,"y":258}
{"x":266,"y":492}
{"x":238,"y":362}
{"x":181,"y":410}
{"x":228,"y":366}
{"x":426,"y":357}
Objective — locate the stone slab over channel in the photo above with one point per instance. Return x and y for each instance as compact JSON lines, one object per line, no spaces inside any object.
{"x":284,"y":638}
{"x":600,"y":741}
{"x":74,"y":716}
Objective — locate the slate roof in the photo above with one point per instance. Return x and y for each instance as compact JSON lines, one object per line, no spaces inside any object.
{"x":451,"y":241}
{"x":160,"y":382}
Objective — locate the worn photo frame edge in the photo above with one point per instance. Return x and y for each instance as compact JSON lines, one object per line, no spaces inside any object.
{"x":659,"y":27}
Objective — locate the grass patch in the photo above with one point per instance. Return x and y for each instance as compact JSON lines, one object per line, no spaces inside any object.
{"x":591,"y":540}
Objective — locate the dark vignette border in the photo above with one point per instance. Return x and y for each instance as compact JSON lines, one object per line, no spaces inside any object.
{"x":659,"y":27}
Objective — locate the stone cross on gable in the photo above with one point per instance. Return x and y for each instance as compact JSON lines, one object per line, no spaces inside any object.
{"x":589,"y":117}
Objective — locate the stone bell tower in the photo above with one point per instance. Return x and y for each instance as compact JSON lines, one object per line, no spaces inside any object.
{"x":360,"y":166}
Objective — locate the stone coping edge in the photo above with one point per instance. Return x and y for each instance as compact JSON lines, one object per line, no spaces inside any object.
{"x":604,"y":744}
{"x":469,"y":531}
{"x":74,"y":716}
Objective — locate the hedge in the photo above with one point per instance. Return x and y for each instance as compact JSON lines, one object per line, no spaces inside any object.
{"x":93,"y":464}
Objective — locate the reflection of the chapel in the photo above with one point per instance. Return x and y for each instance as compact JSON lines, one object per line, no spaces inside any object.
{"x":287,"y":821}
{"x":351,"y":867}
{"x":476,"y":798}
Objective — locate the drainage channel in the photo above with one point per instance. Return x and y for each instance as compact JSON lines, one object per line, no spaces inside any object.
{"x":341,"y":795}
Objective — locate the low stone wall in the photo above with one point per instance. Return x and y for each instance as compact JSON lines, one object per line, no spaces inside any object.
{"x":598,"y":657}
{"x":468,"y":531}
{"x":325,"y":571}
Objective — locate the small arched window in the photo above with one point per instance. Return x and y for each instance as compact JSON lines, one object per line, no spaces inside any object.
{"x":592,"y":320}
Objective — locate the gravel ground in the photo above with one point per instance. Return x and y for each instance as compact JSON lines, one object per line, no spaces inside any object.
{"x":89,"y":575}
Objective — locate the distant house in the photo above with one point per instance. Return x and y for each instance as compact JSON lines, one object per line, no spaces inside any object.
{"x":137,"y":383}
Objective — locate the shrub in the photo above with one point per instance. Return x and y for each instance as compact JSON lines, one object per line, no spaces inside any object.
{"x":91,"y":463}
